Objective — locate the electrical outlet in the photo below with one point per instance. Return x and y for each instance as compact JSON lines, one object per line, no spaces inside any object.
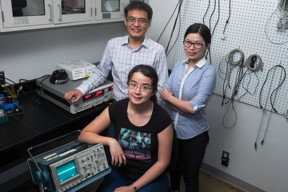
{"x":225,"y":158}
{"x":2,"y":78}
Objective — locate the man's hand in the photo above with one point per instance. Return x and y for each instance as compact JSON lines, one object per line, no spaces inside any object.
{"x":73,"y":96}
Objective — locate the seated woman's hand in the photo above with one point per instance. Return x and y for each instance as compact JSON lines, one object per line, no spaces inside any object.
{"x":117,"y":155}
{"x":125,"y":189}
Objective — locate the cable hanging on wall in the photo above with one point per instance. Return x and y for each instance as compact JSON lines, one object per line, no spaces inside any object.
{"x":253,"y":64}
{"x":167,"y":50}
{"x":266,"y":29}
{"x":282,"y":7}
{"x":227,"y":21}
{"x":208,"y":6}
{"x":210,"y":21}
{"x":226,"y":85}
{"x":235,"y":60}
{"x":271,"y":97}
{"x":168,"y":21}
{"x":231,"y":64}
{"x":275,"y":91}
{"x":239,"y":75}
{"x":208,"y":53}
{"x":218,"y":17}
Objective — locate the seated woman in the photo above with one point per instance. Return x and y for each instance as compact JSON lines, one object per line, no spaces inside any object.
{"x":141,"y":148}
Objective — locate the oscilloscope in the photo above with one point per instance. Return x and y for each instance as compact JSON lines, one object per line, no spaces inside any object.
{"x":69,"y":167}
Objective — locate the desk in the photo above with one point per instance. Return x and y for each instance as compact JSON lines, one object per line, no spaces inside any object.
{"x":40,"y":121}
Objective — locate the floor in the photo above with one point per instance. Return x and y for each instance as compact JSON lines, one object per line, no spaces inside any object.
{"x":209,"y":183}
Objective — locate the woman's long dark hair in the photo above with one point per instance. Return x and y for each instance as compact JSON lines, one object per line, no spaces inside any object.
{"x":202,"y":30}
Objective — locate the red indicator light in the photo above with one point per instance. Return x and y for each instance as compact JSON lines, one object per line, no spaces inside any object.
{"x":86,"y":97}
{"x":98,"y":93}
{"x":111,"y":88}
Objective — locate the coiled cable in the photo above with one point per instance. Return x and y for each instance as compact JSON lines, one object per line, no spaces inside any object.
{"x":231,"y":56}
{"x":254,"y":62}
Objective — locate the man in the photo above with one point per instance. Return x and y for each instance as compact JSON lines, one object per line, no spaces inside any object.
{"x":123,"y":53}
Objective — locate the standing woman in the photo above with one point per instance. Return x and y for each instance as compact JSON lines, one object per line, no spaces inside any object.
{"x":187,"y":90}
{"x":141,"y":147}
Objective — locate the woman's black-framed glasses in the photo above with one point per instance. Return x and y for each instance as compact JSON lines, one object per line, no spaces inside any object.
{"x":196,"y":45}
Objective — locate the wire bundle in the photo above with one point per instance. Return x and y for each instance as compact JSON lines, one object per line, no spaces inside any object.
{"x":235,"y":60}
{"x":283,"y":6}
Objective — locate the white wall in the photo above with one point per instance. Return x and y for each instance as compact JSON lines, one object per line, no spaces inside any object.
{"x":266,"y":167}
{"x":32,"y":54}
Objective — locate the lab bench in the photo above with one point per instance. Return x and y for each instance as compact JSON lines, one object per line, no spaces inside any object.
{"x":38,"y":122}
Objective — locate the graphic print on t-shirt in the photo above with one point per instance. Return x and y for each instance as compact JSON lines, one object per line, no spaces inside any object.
{"x":135,"y":144}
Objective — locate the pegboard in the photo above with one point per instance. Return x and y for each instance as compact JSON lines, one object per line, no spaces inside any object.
{"x":252,"y":29}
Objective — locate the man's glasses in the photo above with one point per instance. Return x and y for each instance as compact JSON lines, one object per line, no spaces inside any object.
{"x":141,"y":21}
{"x":144,"y":88}
{"x":196,"y":45}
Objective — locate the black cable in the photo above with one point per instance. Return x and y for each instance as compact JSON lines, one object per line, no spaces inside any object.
{"x":13,"y":82}
{"x":179,"y":26}
{"x":218,"y":18}
{"x":246,"y":88}
{"x":168,"y":21}
{"x":266,"y":130}
{"x":225,"y":87}
{"x":173,"y":29}
{"x":210,"y":18}
{"x":261,"y":91}
{"x":277,"y":88}
{"x":43,"y":79}
{"x":226,"y":79}
{"x":271,"y":102}
{"x":228,"y":19}
{"x":210,"y":27}
{"x":240,"y":75}
{"x":206,"y":11}
{"x":258,"y":133}
{"x":55,"y":139}
{"x":223,"y":119}
{"x":22,"y":82}
{"x":239,"y":78}
{"x":254,"y":62}
{"x":236,"y":87}
{"x":239,"y":63}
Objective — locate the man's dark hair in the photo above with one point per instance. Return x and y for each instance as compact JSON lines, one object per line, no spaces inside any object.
{"x":139,"y":5}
